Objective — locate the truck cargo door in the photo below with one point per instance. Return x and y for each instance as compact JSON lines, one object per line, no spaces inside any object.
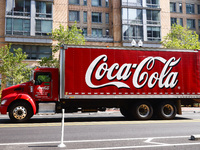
{"x":43,"y":86}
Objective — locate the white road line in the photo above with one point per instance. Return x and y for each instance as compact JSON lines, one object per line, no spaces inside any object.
{"x":150,"y":142}
{"x":100,"y":140}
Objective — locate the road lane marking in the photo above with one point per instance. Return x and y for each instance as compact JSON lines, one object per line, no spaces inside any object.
{"x":97,"y":140}
{"x":97,"y":123}
{"x":151,"y":142}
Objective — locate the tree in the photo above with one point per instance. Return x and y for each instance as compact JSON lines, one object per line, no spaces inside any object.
{"x":12,"y":68}
{"x":68,"y":36}
{"x":181,"y":38}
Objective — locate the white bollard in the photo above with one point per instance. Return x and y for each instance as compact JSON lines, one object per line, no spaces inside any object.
{"x":62,"y":132}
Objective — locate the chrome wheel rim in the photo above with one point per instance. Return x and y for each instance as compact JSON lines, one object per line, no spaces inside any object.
{"x":19,"y":112}
{"x":168,"y":110}
{"x":143,"y":110}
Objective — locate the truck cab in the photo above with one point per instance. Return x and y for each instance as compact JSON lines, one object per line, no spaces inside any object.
{"x":22,"y":101}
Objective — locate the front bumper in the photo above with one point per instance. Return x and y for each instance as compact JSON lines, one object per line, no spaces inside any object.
{"x":3,"y":110}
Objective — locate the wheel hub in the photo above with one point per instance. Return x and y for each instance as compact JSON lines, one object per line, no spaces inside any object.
{"x":20,"y":112}
{"x":168,"y":110}
{"x":143,"y":110}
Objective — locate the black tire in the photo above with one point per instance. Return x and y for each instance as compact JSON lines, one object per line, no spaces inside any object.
{"x":166,"y":110}
{"x":20,"y":112}
{"x":142,"y":110}
{"x":125,"y":111}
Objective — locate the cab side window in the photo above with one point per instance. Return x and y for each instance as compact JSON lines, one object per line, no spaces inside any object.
{"x":42,"y":77}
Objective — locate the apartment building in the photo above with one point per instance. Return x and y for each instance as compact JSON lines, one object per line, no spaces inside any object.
{"x":186,"y":13}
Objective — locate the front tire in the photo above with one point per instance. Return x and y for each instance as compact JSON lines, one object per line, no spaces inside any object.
{"x":20,"y":112}
{"x":167,"y":110}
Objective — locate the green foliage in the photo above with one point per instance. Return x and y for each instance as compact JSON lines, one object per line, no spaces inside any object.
{"x":181,"y":38}
{"x":68,"y":36}
{"x":12,"y":68}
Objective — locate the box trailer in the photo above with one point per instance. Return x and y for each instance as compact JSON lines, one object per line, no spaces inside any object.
{"x":142,"y":82}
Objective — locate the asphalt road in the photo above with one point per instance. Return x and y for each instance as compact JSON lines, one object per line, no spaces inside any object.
{"x":101,"y":131}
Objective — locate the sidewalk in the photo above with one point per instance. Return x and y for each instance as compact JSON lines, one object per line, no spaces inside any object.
{"x":191,"y":109}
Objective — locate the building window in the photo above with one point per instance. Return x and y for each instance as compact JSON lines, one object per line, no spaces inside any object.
{"x":152,"y":3}
{"x":107,"y":17}
{"x":199,"y":23}
{"x":198,"y":9}
{"x":85,"y":2}
{"x":107,"y":32}
{"x":172,"y":7}
{"x":18,"y":7}
{"x":74,"y":2}
{"x":131,"y":2}
{"x":153,"y":17}
{"x":173,"y":21}
{"x":85,"y":16}
{"x":191,"y":23}
{"x":96,"y":3}
{"x":107,"y":3}
{"x":181,"y":21}
{"x":17,"y":26}
{"x":97,"y":32}
{"x":131,"y":16}
{"x":44,"y":9}
{"x":190,"y":8}
{"x":74,"y":16}
{"x":33,"y":51}
{"x":131,"y":32}
{"x":96,"y":17}
{"x":84,"y":31}
{"x":153,"y":34}
{"x":43,"y":27}
{"x":180,"y":8}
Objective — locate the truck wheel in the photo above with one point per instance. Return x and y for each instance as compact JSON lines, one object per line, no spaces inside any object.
{"x":142,"y":111}
{"x":20,"y":112}
{"x":167,"y":110}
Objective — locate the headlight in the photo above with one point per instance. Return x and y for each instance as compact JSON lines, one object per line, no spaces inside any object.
{"x":3,"y":101}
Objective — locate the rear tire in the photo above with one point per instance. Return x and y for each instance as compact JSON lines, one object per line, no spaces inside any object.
{"x":142,"y":110}
{"x":167,"y":110}
{"x":20,"y":112}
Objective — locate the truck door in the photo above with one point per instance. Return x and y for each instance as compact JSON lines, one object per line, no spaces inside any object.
{"x":43,"y":86}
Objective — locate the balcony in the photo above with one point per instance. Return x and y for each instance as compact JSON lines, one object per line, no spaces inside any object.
{"x":104,"y":38}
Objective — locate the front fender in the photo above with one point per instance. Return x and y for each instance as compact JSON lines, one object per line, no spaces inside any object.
{"x":13,"y":97}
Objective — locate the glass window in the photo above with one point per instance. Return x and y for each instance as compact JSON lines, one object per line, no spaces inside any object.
{"x":18,"y":7}
{"x":85,"y":2}
{"x":84,"y":31}
{"x":173,"y":21}
{"x":190,"y":8}
{"x":180,"y":8}
{"x":132,"y":2}
{"x":107,"y":32}
{"x":153,"y":17}
{"x":107,"y":3}
{"x":74,"y":16}
{"x":191,"y":23}
{"x":107,"y":17}
{"x":131,"y":16}
{"x":74,"y":2}
{"x":198,"y":9}
{"x":96,"y":17}
{"x":153,"y":34}
{"x":96,"y":2}
{"x":181,"y":21}
{"x":132,"y":32}
{"x":43,"y":9}
{"x":84,"y":16}
{"x":172,"y":7}
{"x":34,"y":51}
{"x":152,"y":3}
{"x":199,"y":23}
{"x":43,"y":27}
{"x":97,"y":32}
{"x":16,"y":26}
{"x":42,"y":77}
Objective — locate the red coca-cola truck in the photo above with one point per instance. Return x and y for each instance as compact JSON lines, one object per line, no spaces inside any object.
{"x":140,"y":81}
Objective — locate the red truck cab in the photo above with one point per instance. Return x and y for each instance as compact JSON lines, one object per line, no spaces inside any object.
{"x":22,"y":101}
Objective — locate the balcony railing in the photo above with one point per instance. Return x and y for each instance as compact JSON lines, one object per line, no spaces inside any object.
{"x":99,"y":38}
{"x":139,"y":3}
{"x":133,"y":22}
{"x":153,"y":5}
{"x":153,"y":22}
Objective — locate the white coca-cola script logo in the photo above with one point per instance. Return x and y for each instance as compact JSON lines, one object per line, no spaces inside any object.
{"x":165,"y":78}
{"x":43,"y":88}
